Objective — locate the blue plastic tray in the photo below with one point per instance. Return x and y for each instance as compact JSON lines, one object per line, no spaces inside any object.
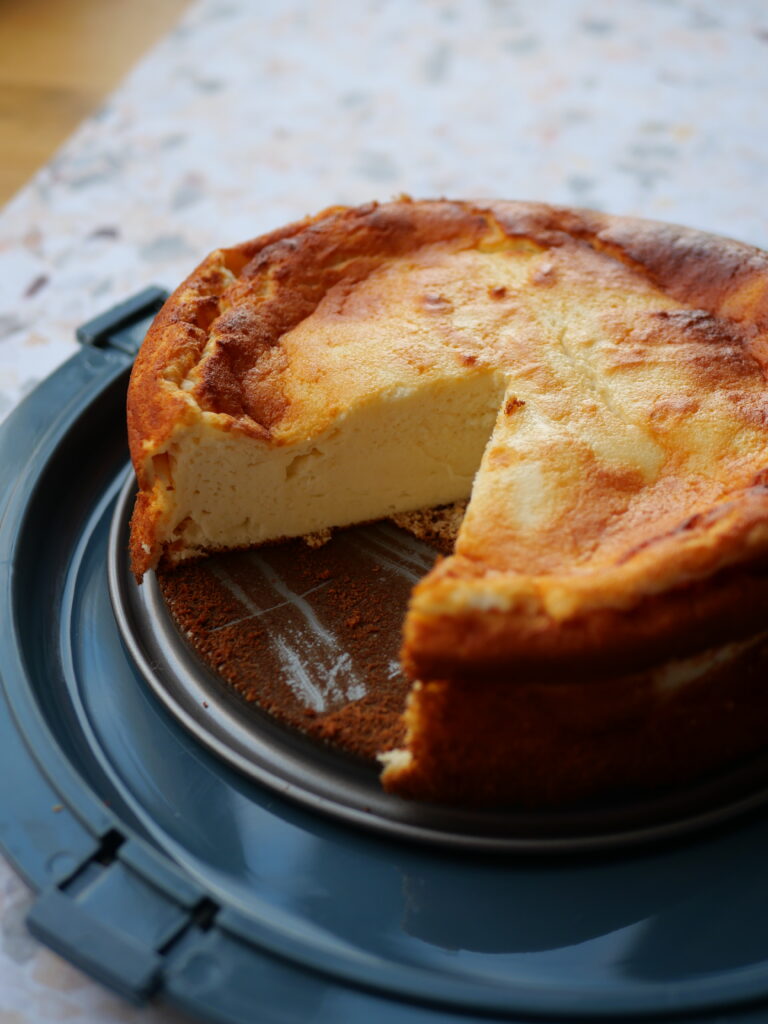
{"x":165,"y":873}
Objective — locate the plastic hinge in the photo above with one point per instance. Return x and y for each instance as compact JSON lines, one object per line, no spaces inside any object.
{"x":123,"y":326}
{"x":117,"y":923}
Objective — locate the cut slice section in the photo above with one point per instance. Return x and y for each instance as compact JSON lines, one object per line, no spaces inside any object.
{"x":394,"y":451}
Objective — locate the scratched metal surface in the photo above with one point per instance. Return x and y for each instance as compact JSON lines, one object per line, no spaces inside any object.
{"x":302,"y":629}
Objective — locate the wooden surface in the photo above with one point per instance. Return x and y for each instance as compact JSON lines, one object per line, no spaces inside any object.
{"x":58,"y":60}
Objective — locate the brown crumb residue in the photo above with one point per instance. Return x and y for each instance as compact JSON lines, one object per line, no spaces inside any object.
{"x":225,"y":608}
{"x":512,"y":405}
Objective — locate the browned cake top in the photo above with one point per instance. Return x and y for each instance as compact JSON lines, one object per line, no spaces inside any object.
{"x":631,"y":450}
{"x":223,"y":327}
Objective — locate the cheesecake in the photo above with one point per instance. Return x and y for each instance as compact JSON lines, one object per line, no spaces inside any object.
{"x":593,"y":387}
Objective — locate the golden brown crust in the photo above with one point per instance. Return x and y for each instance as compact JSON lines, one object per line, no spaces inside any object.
{"x":720,"y":275}
{"x":284,"y":283}
{"x":216,"y":345}
{"x":172,"y":347}
{"x":728,"y":606}
{"x":489,"y":742}
{"x":280,"y":277}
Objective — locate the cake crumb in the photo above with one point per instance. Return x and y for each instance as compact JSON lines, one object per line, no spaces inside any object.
{"x":317,"y":539}
{"x":437,"y":526}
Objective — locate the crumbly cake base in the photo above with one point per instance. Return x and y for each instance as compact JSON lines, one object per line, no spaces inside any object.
{"x":223,"y":608}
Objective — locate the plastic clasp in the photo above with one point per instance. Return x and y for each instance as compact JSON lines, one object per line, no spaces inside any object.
{"x":123,"y":326}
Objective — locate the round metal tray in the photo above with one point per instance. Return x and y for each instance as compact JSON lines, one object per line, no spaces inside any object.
{"x":329,"y":781}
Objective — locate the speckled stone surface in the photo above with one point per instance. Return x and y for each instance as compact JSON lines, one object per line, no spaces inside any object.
{"x":249,"y":115}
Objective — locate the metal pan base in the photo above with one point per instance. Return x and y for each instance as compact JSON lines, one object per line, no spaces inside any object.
{"x":329,"y":781}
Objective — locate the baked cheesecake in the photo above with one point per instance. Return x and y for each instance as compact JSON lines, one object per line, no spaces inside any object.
{"x":594,"y":385}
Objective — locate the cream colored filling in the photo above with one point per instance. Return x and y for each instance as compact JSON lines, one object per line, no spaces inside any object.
{"x":396,"y":452}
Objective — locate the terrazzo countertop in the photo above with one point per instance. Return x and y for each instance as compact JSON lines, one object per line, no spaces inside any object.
{"x":249,"y":115}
